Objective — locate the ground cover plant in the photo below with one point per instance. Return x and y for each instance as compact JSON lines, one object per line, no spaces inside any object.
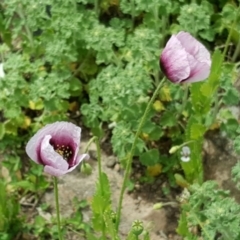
{"x":152,"y":78}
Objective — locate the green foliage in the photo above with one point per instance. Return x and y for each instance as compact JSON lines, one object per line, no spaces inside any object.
{"x":196,"y":19}
{"x":10,"y":222}
{"x":236,"y":172}
{"x":150,"y":157}
{"x":99,"y":61}
{"x":210,"y":209}
{"x":104,"y":217}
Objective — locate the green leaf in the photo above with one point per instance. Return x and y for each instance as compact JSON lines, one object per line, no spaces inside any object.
{"x":150,"y":157}
{"x":167,"y":119}
{"x":217,"y":61}
{"x":182,"y":228}
{"x":200,"y":102}
{"x":236,"y":144}
{"x":90,"y":236}
{"x":26,"y":185}
{"x":101,"y":202}
{"x":2,"y":130}
{"x":75,"y":87}
{"x":231,"y":97}
{"x":197,"y":131}
{"x":230,"y":127}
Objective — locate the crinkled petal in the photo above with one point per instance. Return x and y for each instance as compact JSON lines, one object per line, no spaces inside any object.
{"x":80,"y":158}
{"x":57,"y":172}
{"x":65,"y":132}
{"x":190,"y":44}
{"x":200,"y":73}
{"x":199,"y":70}
{"x":174,"y":62}
{"x":54,"y":171}
{"x":194,"y":47}
{"x":203,"y":55}
{"x":50,"y":157}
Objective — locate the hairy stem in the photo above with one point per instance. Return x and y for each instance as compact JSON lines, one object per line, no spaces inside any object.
{"x":130,"y":156}
{"x":100,"y":181}
{"x":57,"y":207}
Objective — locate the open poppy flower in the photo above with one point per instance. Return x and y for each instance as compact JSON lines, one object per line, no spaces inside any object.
{"x":185,"y":60}
{"x":56,"y":147}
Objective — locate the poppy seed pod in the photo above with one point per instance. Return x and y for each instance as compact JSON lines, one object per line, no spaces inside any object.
{"x":56,"y":147}
{"x":185,"y":60}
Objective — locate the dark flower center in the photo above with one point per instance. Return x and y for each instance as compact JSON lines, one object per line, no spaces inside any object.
{"x":65,"y":151}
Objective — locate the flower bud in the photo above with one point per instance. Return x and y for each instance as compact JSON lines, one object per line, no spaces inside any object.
{"x":174,"y":149}
{"x":86,"y":168}
{"x":157,"y":206}
{"x":137,"y":227}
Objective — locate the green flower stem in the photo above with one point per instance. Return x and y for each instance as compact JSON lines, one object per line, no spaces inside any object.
{"x":130,"y":156}
{"x":93,"y":139}
{"x":99,"y":163}
{"x":236,"y":52}
{"x":100,"y":181}
{"x":96,"y":7}
{"x":185,"y":98}
{"x":96,"y":140}
{"x":133,"y":12}
{"x":57,"y":207}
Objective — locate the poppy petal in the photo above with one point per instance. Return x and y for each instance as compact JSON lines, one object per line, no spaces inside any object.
{"x":50,"y":157}
{"x":174,"y":62}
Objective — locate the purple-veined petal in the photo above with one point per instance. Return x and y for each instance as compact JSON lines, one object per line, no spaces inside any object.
{"x":50,"y":157}
{"x":199,"y":73}
{"x":189,"y":43}
{"x":62,"y":132}
{"x":79,"y":159}
{"x":174,"y":62}
{"x":54,"y":171}
{"x":203,"y":55}
{"x":57,"y":172}
{"x":194,"y":47}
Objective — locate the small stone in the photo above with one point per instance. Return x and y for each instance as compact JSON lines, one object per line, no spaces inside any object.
{"x":137,"y":186}
{"x":117,"y":167}
{"x":111,"y":161}
{"x":138,"y":175}
{"x":93,"y":154}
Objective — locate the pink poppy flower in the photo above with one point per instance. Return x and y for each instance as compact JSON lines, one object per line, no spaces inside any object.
{"x":56,"y":147}
{"x":184,"y":59}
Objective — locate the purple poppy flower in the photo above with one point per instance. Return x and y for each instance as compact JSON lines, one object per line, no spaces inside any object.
{"x":56,"y":147}
{"x":184,"y":59}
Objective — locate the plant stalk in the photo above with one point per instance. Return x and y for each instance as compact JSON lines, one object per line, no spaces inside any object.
{"x":130,"y":156}
{"x":57,"y":207}
{"x":184,"y":102}
{"x":100,"y":180}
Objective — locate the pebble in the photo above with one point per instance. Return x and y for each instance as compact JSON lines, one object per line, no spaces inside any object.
{"x":93,"y":154}
{"x":111,"y":161}
{"x":138,"y":175}
{"x":117,"y":167}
